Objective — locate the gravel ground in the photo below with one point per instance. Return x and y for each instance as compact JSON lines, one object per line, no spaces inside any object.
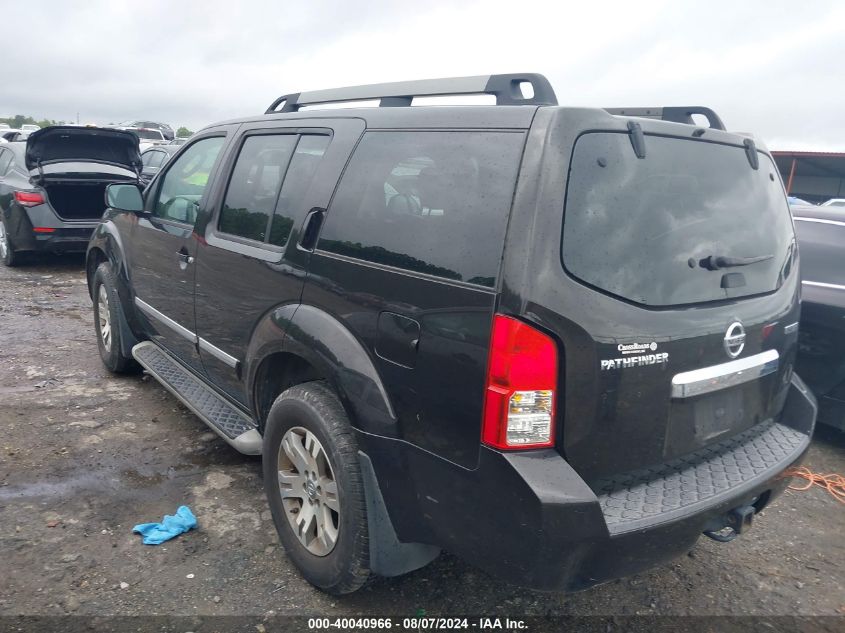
{"x":86,"y":455}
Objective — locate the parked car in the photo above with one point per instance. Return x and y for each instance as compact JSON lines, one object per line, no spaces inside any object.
{"x":52,"y":188}
{"x":392,"y":307}
{"x":12,"y":135}
{"x":834,"y":202}
{"x":165,"y":129}
{"x":147,"y":137}
{"x":5,"y":126}
{"x":154,"y":159}
{"x":821,"y":351}
{"x":179,"y":140}
{"x":793,"y":200}
{"x":30,"y":127}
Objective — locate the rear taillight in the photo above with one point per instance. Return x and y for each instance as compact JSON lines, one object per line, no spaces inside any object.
{"x":28,"y":198}
{"x":519,"y":401}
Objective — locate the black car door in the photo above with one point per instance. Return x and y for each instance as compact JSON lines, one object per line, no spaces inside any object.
{"x":162,"y":245}
{"x":248,"y":261}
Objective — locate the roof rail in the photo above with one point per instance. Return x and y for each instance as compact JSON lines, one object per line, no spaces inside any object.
{"x":676,"y":114}
{"x":506,"y":88}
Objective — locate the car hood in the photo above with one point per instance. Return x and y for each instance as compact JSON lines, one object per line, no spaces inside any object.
{"x":64,"y":143}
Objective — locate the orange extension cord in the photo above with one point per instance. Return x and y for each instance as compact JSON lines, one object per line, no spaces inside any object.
{"x":834,"y":484}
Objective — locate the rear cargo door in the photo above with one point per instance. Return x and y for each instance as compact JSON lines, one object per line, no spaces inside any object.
{"x":675,"y":297}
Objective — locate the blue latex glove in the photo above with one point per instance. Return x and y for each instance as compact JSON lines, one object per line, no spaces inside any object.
{"x":158,"y":533}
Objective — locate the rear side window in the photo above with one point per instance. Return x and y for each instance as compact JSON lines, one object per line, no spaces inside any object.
{"x":254,"y":185}
{"x":5,"y":160}
{"x":646,"y":229}
{"x":429,"y":202}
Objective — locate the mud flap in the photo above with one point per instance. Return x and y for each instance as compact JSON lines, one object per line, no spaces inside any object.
{"x":388,"y":555}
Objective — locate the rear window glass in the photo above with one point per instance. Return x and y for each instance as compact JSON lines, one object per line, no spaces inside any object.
{"x":154,"y":135}
{"x":429,"y":202}
{"x":645,"y":229}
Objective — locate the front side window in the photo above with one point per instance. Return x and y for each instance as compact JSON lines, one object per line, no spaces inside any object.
{"x":429,"y":202}
{"x":651,"y":230}
{"x":254,"y":185}
{"x":184,"y":183}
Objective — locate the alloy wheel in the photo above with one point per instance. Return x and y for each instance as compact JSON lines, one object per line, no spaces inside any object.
{"x":4,"y":241}
{"x":104,"y":316}
{"x":309,"y":491}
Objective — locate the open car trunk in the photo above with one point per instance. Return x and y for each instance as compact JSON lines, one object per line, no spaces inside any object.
{"x":77,"y":200}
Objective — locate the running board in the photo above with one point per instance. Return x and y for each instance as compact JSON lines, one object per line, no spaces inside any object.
{"x":228,"y":422}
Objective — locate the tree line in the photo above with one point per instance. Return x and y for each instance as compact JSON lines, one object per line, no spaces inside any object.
{"x":18,"y":120}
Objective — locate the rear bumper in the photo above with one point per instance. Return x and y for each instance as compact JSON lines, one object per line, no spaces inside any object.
{"x":59,"y":235}
{"x":530,"y":519}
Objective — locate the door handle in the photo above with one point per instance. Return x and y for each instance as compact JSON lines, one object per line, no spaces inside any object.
{"x":184,"y":258}
{"x":311,"y":229}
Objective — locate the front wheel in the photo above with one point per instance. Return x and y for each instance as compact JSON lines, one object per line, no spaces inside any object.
{"x":107,"y":322}
{"x":7,"y":253}
{"x":314,"y":487}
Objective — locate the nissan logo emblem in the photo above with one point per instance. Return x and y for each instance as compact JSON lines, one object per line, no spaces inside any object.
{"x":734,"y":339}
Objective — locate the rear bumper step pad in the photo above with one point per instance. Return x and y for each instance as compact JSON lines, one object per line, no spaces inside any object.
{"x":228,"y":422}
{"x":651,"y":496}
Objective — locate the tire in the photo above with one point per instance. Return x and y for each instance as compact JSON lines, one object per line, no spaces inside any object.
{"x":303,"y":413}
{"x":107,"y":322}
{"x":8,"y":254}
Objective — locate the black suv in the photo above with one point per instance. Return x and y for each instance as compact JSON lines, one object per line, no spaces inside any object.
{"x":557,"y":342}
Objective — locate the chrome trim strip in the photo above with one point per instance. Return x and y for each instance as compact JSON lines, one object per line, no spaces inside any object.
{"x":821,"y":284}
{"x":218,"y":353}
{"x":150,"y":311}
{"x":716,"y":377}
{"x":789,"y":329}
{"x":820,"y":221}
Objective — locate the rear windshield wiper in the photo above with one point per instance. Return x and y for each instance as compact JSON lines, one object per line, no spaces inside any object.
{"x":715,"y":262}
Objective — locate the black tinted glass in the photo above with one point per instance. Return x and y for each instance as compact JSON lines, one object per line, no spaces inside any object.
{"x":254,"y":185}
{"x":300,"y":173}
{"x":431,"y":202}
{"x":644,"y":229}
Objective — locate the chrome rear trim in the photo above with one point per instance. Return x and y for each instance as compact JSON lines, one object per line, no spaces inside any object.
{"x":716,"y":377}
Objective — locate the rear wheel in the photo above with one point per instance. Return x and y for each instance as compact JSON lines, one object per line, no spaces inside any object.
{"x":107,"y":322}
{"x":7,"y":253}
{"x":314,"y":487}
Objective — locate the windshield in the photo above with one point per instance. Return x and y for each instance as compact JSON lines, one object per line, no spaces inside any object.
{"x":691,"y":222}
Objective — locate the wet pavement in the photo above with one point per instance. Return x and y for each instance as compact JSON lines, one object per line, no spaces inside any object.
{"x":86,"y":455}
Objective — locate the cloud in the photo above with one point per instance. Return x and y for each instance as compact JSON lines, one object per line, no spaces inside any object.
{"x":769,"y":67}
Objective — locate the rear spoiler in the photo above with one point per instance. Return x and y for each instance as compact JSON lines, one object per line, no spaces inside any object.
{"x":675,"y":114}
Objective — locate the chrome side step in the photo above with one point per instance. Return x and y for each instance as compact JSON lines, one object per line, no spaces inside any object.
{"x":234,"y":426}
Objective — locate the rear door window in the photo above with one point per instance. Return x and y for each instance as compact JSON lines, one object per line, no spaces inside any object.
{"x":646,"y":229}
{"x":300,"y":174}
{"x":254,"y":185}
{"x":429,"y":202}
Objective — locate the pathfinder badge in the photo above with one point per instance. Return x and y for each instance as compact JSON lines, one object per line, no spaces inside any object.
{"x":635,"y":355}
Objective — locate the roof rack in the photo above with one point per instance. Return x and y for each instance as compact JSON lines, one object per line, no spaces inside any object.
{"x":508,"y":90}
{"x":676,"y":114}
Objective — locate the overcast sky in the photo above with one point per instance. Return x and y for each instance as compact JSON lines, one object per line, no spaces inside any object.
{"x":773,"y":68}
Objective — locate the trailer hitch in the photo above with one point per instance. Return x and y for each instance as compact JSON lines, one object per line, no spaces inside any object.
{"x":727,"y":528}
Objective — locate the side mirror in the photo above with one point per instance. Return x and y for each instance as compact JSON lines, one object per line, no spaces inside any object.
{"x":124,"y":198}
